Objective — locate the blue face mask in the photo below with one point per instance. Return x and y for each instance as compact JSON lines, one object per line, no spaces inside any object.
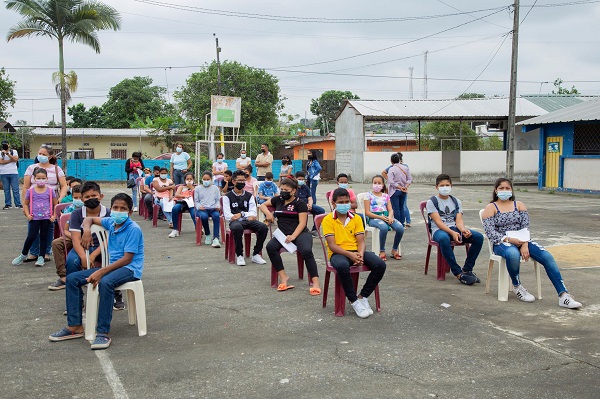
{"x":301,"y":182}
{"x":342,"y":208}
{"x":343,"y":185}
{"x":206,"y":183}
{"x":504,"y":195}
{"x":220,"y":160}
{"x":119,"y":217}
{"x":77,"y":203}
{"x":42,"y":158}
{"x":268,"y":183}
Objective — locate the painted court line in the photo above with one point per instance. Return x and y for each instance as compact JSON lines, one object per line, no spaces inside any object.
{"x":111,"y":375}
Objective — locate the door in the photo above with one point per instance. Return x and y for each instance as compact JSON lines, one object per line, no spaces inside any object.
{"x":554,"y":147}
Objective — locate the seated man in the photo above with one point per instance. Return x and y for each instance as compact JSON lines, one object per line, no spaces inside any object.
{"x":303,"y":194}
{"x":345,"y":237}
{"x":446,"y":224}
{"x":342,"y":182}
{"x":239,"y":209}
{"x":126,"y":252}
{"x":267,"y":189}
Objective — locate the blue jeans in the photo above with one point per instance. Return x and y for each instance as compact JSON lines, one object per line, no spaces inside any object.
{"x":539,"y":254}
{"x":175,"y":214}
{"x":214,"y":214}
{"x":315,"y":211}
{"x":383,"y":231}
{"x":398,"y":200}
{"x":106,"y":289}
{"x":73,"y":263}
{"x":134,"y":190}
{"x":406,"y":212}
{"x":313,"y":190}
{"x":11,"y":182}
{"x":342,"y":266}
{"x":178,"y":177}
{"x":35,"y":247}
{"x":168,"y":215}
{"x":444,"y":239}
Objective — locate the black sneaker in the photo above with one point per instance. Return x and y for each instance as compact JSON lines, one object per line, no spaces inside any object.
{"x":57,"y":285}
{"x":20,"y":206}
{"x":119,"y":304}
{"x":314,"y":234}
{"x":467,"y":279}
{"x":6,"y":207}
{"x":477,"y":280}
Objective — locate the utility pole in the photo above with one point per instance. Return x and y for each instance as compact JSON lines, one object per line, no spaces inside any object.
{"x":512,"y":101}
{"x":218,"y":92}
{"x":410,"y":83}
{"x":425,"y":76}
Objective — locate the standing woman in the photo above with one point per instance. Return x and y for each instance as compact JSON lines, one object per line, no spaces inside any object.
{"x":292,"y":215}
{"x":399,"y":179}
{"x":181,"y":163}
{"x":505,"y":214}
{"x":242,"y":161}
{"x":313,"y":168}
{"x":133,"y":168}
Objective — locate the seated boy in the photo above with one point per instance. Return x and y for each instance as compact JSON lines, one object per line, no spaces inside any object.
{"x":73,"y":182}
{"x":345,"y":237}
{"x":446,"y":224}
{"x":148,"y":191}
{"x":239,"y":209}
{"x":227,"y":182}
{"x":303,"y":194}
{"x":342,"y":182}
{"x":267,"y":189}
{"x":126,"y":252}
{"x":62,"y":245}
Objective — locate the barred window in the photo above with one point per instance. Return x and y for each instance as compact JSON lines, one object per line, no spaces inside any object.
{"x":586,"y":140}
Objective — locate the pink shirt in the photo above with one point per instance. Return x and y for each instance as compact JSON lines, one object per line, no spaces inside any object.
{"x":51,"y":170}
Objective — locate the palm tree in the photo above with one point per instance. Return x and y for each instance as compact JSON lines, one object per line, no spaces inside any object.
{"x":75,"y":20}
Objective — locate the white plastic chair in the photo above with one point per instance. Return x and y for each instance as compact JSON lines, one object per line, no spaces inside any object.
{"x":503,"y":276}
{"x":136,"y":304}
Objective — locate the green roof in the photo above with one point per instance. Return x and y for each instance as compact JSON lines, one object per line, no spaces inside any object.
{"x":554,"y":102}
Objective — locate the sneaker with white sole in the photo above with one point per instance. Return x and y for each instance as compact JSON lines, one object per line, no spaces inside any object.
{"x":240,"y":261}
{"x":360,"y":309}
{"x":522,"y":294}
{"x":567,"y":301}
{"x":135,"y":209}
{"x":207,"y":240}
{"x":174,"y":233}
{"x":258,"y":259}
{"x":19,"y":259}
{"x":40,"y":261}
{"x":365,"y":302}
{"x":216,"y":243}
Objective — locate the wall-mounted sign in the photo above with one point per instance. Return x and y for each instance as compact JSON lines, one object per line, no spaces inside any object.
{"x":118,"y":144}
{"x":553,"y":146}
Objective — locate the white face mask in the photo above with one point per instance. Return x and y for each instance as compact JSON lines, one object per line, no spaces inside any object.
{"x":445,"y":190}
{"x":243,"y":156}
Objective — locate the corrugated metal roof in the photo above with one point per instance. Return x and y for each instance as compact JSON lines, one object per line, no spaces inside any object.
{"x":585,"y":111}
{"x":471,"y":109}
{"x":52,"y":131}
{"x":554,"y":102}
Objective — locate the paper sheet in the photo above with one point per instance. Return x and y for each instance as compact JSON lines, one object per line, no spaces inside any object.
{"x":522,"y":234}
{"x":167,"y":205}
{"x":290,"y":247}
{"x":190,"y":202}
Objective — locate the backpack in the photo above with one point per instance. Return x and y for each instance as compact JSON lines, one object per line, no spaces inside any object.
{"x":437,"y":206}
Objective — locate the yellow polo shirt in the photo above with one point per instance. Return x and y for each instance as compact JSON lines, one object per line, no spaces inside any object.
{"x":345,"y":234}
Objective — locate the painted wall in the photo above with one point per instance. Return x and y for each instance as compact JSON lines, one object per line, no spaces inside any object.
{"x":424,"y":165}
{"x":581,"y":174}
{"x":350,"y":144}
{"x":486,"y":166}
{"x":327,"y":146}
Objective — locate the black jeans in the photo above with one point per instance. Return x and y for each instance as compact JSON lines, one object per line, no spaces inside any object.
{"x":237,"y":228}
{"x":178,"y":177}
{"x":149,"y":201}
{"x":304,"y":243}
{"x":342,"y":265}
{"x":37,"y":228}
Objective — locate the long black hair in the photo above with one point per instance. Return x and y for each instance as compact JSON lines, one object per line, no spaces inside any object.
{"x":497,"y":184}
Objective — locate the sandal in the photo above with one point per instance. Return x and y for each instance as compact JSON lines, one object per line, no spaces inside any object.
{"x":315,"y":291}
{"x":396,"y":255}
{"x":102,"y":341}
{"x":383,"y":256}
{"x":284,"y":287}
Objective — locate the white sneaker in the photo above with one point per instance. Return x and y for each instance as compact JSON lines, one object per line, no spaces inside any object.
{"x":240,"y":261}
{"x":174,"y":233}
{"x":522,"y":294}
{"x":207,"y":240}
{"x":567,"y":301}
{"x":258,"y":259}
{"x":135,"y":209}
{"x":360,"y":310}
{"x":365,"y":302}
{"x":216,"y":243}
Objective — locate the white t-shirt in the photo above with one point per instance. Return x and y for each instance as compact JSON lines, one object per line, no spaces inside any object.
{"x":243,"y":162}
{"x":9,"y":168}
{"x":219,"y":167}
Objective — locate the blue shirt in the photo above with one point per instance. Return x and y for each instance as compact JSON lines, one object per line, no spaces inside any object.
{"x":179,"y":161}
{"x":127,"y":238}
{"x":303,"y":193}
{"x":148,"y":180}
{"x":267,"y":189}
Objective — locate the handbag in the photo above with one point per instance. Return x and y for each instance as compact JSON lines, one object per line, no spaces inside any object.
{"x":131,"y":183}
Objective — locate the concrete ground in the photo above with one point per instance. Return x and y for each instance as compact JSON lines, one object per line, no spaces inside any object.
{"x":217,"y":330}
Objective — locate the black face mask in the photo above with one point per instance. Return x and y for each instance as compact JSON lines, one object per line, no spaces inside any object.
{"x":285,"y":195}
{"x":240,"y":186}
{"x":92,"y":203}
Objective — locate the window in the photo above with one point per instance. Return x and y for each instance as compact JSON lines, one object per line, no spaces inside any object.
{"x":586,"y":139}
{"x":118,"y":154}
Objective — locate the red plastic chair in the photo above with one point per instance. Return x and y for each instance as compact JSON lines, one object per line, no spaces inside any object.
{"x":299,"y":258}
{"x":328,"y":195}
{"x":442,"y":266}
{"x":57,"y":214}
{"x":340,"y":295}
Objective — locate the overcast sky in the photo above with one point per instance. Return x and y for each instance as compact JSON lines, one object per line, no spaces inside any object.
{"x":554,"y":42}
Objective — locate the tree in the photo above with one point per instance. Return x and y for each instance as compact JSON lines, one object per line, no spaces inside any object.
{"x":561,"y":90}
{"x":258,"y":89}
{"x":450,"y":132}
{"x":93,"y":117}
{"x":468,"y":96}
{"x":7,"y":94}
{"x":75,"y":20}
{"x":327,"y":106}
{"x":132,"y":97}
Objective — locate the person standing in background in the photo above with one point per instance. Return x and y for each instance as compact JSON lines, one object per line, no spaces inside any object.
{"x":399,"y":181}
{"x":242,"y":161}
{"x":405,"y":219}
{"x":264,"y":162}
{"x":286,"y":168}
{"x":181,"y":163}
{"x":10,"y":175}
{"x":134,"y":167}
{"x":313,"y":168}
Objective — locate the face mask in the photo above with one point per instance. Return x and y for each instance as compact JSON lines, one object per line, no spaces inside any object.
{"x":219,"y":160}
{"x":377,"y":188}
{"x":42,"y":158}
{"x":342,"y":208}
{"x":119,"y":217}
{"x":286,"y":195}
{"x":268,"y":183}
{"x":92,"y":203}
{"x":179,"y":150}
{"x":264,"y":150}
{"x":206,"y":183}
{"x":343,"y":185}
{"x":189,"y":182}
{"x":301,"y":182}
{"x":77,"y":203}
{"x":240,"y":186}
{"x":444,"y":190}
{"x":41,"y":183}
{"x":243,"y":156}
{"x":163,"y":176}
{"x":504,"y":195}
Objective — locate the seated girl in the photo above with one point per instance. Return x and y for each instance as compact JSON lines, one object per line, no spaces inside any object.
{"x":183,"y":196}
{"x":207,"y":202}
{"x":504,"y":214}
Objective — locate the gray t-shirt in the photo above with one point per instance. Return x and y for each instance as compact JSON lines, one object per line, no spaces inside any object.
{"x":446,"y":206}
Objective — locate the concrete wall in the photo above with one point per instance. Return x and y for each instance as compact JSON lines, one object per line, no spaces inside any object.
{"x":578,"y":175}
{"x":350,"y":144}
{"x":424,"y":165}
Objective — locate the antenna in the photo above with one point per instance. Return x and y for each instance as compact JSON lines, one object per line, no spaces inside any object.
{"x":425,"y":76}
{"x":410,"y":83}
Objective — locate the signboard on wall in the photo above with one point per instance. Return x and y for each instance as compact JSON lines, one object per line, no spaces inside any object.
{"x":553,"y":146}
{"x":225,"y":111}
